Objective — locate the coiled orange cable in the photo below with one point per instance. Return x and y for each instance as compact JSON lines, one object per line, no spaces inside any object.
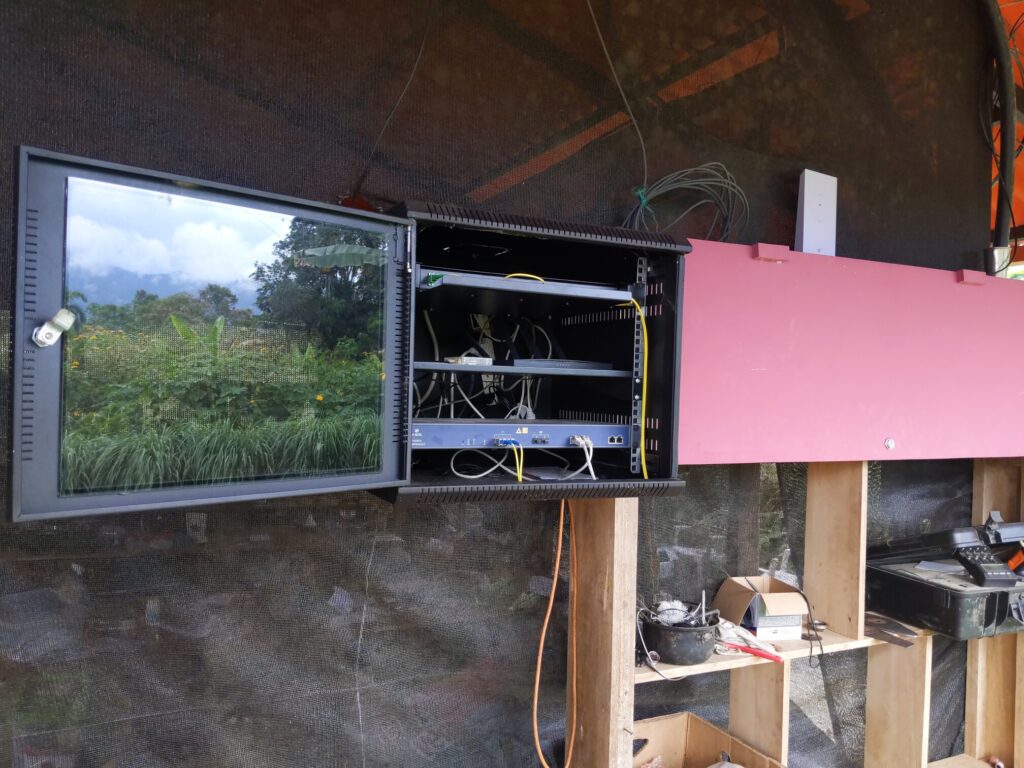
{"x":571,"y":738}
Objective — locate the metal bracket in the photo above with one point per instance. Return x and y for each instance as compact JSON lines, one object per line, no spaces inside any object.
{"x":49,"y":333}
{"x":997,"y":259}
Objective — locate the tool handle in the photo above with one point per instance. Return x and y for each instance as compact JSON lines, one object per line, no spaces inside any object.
{"x":755,"y":652}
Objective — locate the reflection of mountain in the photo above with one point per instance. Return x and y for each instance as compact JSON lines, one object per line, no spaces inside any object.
{"x":119,"y":286}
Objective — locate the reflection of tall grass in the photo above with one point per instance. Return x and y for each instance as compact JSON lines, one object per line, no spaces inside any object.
{"x":206,"y":453}
{"x":128,"y":462}
{"x":218,"y":451}
{"x":319,"y":444}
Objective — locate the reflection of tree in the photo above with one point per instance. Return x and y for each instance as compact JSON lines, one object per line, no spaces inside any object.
{"x":187,"y":388}
{"x":75,"y":301}
{"x":147,"y":310}
{"x":217,"y":301}
{"x":328,"y":279}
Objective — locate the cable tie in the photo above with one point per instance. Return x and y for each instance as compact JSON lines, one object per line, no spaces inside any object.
{"x":641,"y":195}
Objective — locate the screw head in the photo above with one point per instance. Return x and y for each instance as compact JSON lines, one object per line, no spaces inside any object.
{"x":889,"y":443}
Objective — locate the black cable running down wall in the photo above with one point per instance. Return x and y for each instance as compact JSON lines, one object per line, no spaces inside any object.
{"x":1007,"y":132}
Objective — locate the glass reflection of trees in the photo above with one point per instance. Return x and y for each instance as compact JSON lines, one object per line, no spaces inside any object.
{"x":190,"y":388}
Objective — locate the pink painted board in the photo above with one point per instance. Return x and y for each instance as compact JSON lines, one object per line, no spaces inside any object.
{"x":790,"y":356}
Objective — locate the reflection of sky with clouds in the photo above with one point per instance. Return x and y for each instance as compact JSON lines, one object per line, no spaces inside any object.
{"x":191,"y":242}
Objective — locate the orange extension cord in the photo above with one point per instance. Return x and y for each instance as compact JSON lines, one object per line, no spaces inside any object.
{"x":572,"y":630}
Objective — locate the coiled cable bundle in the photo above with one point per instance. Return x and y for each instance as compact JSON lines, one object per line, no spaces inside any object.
{"x":709,"y":184}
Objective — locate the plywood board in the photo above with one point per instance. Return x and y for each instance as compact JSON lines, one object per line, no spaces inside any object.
{"x":686,"y":741}
{"x":991,"y":698}
{"x":992,"y":668}
{"x":898,"y":705}
{"x":1018,"y":747}
{"x":790,"y":356}
{"x":960,"y":761}
{"x":996,"y":487}
{"x":606,"y":542}
{"x":835,"y":544}
{"x":759,"y":708}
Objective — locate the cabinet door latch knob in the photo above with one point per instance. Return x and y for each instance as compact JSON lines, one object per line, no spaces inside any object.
{"x":49,"y":333}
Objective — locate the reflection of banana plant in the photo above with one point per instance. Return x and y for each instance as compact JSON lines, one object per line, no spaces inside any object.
{"x":210,"y":339}
{"x":75,"y":301}
{"x":331,"y":257}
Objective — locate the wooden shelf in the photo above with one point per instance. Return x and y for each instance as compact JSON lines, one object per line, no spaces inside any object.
{"x":960,"y":761}
{"x":898,"y":687}
{"x":787,"y":649}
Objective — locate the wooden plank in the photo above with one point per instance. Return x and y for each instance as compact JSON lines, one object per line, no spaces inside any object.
{"x":802,"y":360}
{"x":992,"y":662}
{"x":835,"y":544}
{"x":991,"y":698}
{"x":960,"y":761}
{"x":684,"y":740}
{"x":759,"y":708}
{"x":898,"y":705}
{"x":787,"y":649}
{"x":996,"y":486}
{"x":606,"y":544}
{"x":1018,"y":747}
{"x":665,"y":737}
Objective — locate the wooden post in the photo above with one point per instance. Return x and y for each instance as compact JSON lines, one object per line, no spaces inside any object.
{"x":898,"y":705}
{"x":992,"y":662}
{"x":835,"y":544}
{"x":996,"y":486}
{"x":759,"y":708}
{"x":606,"y":543}
{"x":1018,"y":747}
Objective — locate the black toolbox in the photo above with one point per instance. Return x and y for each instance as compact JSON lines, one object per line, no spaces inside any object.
{"x":949,"y":603}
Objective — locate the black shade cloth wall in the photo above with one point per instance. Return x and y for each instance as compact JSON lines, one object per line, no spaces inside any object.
{"x":338,"y":630}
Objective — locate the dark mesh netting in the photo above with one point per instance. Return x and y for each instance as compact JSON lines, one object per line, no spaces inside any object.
{"x":339,"y":630}
{"x":292,"y":634}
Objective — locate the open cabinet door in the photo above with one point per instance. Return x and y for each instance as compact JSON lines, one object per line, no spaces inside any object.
{"x":180,"y":343}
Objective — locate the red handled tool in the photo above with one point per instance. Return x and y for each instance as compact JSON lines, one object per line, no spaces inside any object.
{"x":753,"y":651}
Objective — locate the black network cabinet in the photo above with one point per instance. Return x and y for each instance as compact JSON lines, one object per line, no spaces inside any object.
{"x":545,"y":357}
{"x":178,"y":342}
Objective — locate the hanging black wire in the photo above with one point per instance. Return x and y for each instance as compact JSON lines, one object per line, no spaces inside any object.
{"x":1005,"y":93}
{"x":988,"y":106}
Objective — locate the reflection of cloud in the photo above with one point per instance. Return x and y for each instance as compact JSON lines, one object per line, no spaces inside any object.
{"x":211,"y":252}
{"x":148,"y":233}
{"x":198,"y":251}
{"x":98,"y":248}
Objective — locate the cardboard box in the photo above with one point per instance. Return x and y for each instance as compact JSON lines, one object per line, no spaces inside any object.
{"x":770,"y":608}
{"x":686,"y":741}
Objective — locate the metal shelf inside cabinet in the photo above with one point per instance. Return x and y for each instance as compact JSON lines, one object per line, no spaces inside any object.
{"x":429,"y":279}
{"x":522,"y":370}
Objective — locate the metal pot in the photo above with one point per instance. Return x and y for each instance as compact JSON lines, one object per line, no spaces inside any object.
{"x":679,"y":644}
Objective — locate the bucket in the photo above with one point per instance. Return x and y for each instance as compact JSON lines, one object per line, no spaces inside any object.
{"x":680,"y":645}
